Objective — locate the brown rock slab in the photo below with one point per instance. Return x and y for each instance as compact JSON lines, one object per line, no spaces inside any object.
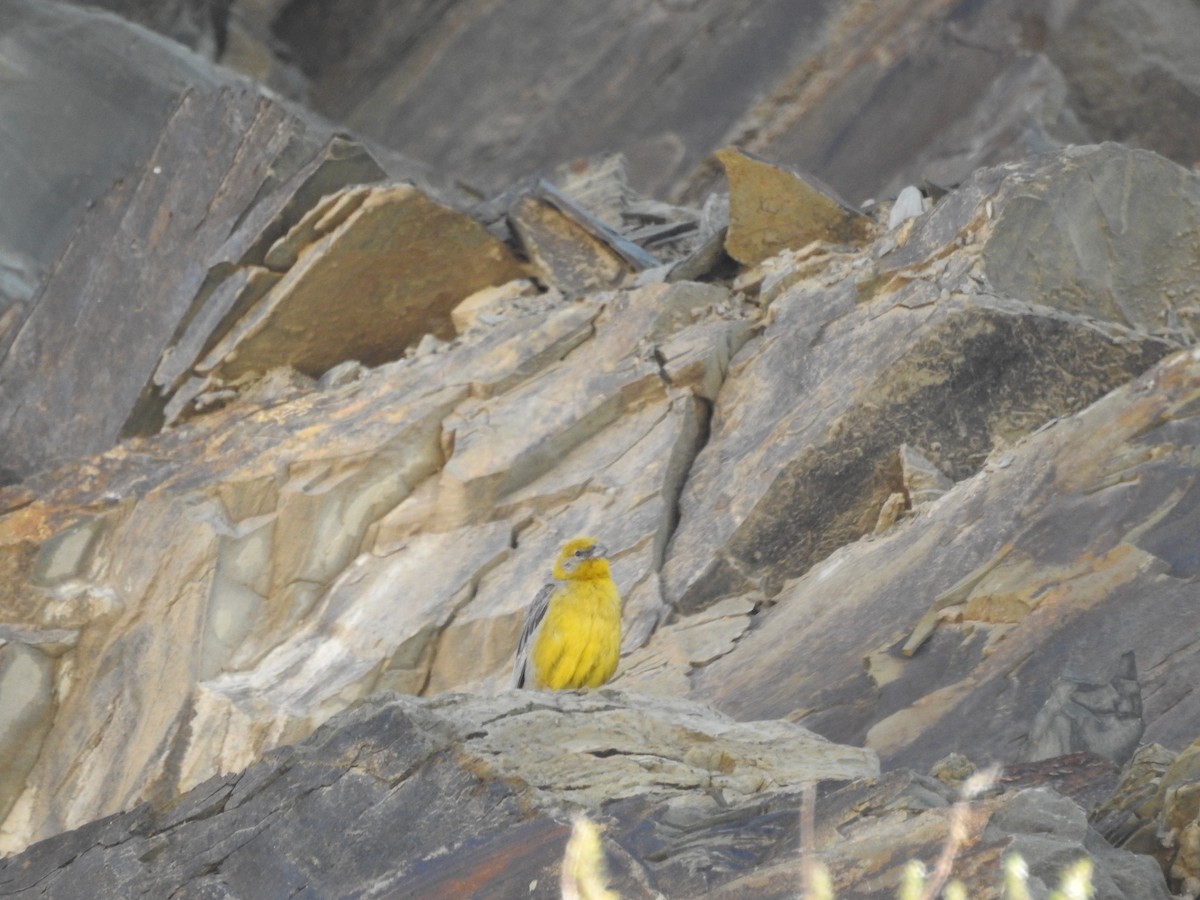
{"x":368,"y":272}
{"x":239,"y":273}
{"x":772,"y":209}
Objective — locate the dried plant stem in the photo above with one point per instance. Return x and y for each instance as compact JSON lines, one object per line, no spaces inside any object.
{"x":959,"y":812}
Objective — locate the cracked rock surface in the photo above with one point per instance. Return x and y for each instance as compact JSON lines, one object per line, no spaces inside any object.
{"x":291,"y":426}
{"x":440,"y":797}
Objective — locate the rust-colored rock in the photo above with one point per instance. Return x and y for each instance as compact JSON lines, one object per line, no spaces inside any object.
{"x":772,"y":209}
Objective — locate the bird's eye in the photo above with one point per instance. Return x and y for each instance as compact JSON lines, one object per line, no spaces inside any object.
{"x":581,"y":552}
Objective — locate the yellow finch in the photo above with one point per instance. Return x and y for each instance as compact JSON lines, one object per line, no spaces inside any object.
{"x":572,"y":633}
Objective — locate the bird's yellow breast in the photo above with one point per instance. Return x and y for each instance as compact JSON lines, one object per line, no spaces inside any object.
{"x":579,"y":641}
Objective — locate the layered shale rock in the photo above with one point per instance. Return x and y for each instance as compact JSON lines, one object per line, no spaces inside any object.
{"x":210,"y":247}
{"x":868,"y":96}
{"x":1156,"y":810}
{"x":470,"y":794}
{"x":1055,"y":559}
{"x":936,"y":343}
{"x":291,"y":430}
{"x":433,"y":798}
{"x":394,"y":538}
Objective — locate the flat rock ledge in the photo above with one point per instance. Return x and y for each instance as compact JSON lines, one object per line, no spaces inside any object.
{"x":433,"y":796}
{"x":475,"y":796}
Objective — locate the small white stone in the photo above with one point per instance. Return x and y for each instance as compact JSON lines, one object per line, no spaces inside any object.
{"x":908,"y":205}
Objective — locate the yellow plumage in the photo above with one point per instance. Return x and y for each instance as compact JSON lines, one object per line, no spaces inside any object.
{"x":572,"y":632}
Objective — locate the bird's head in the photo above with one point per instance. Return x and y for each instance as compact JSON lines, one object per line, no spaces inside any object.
{"x":581,"y":559}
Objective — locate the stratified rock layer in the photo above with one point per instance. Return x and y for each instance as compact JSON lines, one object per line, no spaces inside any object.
{"x":868,"y":353}
{"x":977,"y":482}
{"x":1058,"y":558}
{"x":445,"y":798}
{"x":407,"y":792}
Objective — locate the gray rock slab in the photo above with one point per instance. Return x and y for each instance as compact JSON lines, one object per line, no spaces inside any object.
{"x":1106,"y":231}
{"x":83,"y":356}
{"x":406,"y":797}
{"x":86,"y":96}
{"x":838,"y":386}
{"x":1066,"y":552}
{"x":446,"y":81}
{"x":1012,"y":302}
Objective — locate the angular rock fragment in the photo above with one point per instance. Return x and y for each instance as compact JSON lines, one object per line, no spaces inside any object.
{"x":366,"y":273}
{"x":707,"y":259}
{"x":1103,"y":718}
{"x":909,"y":204}
{"x":573,"y":250}
{"x":563,"y":252}
{"x":612,"y":236}
{"x":1106,"y":231}
{"x":1156,"y":810}
{"x":487,"y":305}
{"x":772,"y":209}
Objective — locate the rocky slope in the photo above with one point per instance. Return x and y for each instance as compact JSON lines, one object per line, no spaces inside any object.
{"x":291,"y":442}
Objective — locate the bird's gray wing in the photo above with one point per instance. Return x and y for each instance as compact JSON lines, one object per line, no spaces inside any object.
{"x":533,"y":618}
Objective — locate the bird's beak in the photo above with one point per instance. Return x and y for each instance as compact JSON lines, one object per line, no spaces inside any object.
{"x":599,"y":552}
